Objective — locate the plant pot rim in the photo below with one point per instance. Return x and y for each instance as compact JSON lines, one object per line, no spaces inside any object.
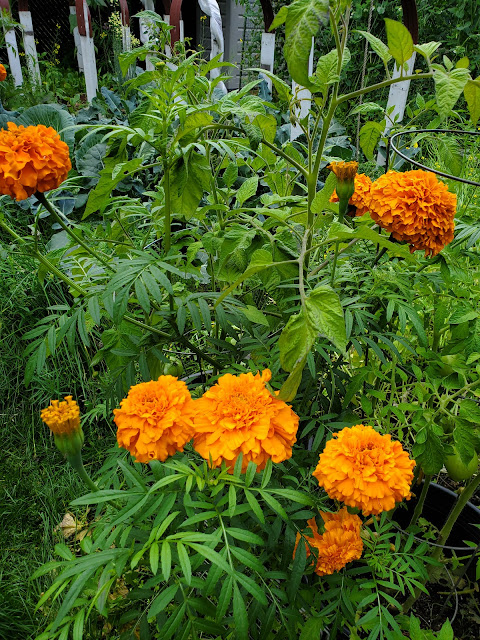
{"x":466,"y":550}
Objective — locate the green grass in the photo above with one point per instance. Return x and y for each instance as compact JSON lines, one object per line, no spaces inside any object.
{"x":36,"y":485}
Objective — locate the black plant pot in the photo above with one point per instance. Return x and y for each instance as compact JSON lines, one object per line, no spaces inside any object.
{"x":438,"y":504}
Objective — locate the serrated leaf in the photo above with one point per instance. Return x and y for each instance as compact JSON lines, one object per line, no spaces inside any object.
{"x":100,"y":196}
{"x":322,"y":313}
{"x":302,"y":23}
{"x":312,"y":629}
{"x":193,"y":121}
{"x":370,"y":134}
{"x":340,"y":231}
{"x":471,"y":91}
{"x":399,"y":39}
{"x":254,"y":315}
{"x":378,"y":46}
{"x":322,"y":198}
{"x":239,"y":614}
{"x":162,"y":600}
{"x":247,"y":190}
{"x":448,"y":88}
{"x":326,"y":72}
{"x":427,"y":49}
{"x":280,"y":18}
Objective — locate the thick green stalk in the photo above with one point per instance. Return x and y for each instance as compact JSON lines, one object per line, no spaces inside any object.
{"x":168,"y":208}
{"x":419,"y":506}
{"x":73,"y":234}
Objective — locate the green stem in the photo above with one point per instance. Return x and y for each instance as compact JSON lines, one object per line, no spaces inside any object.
{"x":444,"y":533}
{"x":73,"y":234}
{"x":168,"y":209}
{"x":454,"y":514}
{"x":77,"y":463}
{"x":381,"y":85}
{"x":334,"y":266}
{"x":421,"y":501}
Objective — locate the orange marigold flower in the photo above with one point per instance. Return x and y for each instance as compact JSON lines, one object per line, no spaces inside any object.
{"x":361,"y":196}
{"x":344,"y":170}
{"x":415,"y":207}
{"x":339,"y":544}
{"x":155,"y":419}
{"x":240,"y":415}
{"x":31,"y":159}
{"x":3,"y":73}
{"x":62,"y":418}
{"x":365,"y":469}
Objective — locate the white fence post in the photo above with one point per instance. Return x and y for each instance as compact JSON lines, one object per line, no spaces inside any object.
{"x":88,"y":49}
{"x":76,"y":37}
{"x":267,"y":55}
{"x":25,"y":18}
{"x":304,"y":98}
{"x":397,"y":98}
{"x":12,"y":48}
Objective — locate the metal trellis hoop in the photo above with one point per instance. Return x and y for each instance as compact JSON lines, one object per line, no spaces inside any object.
{"x":390,"y":144}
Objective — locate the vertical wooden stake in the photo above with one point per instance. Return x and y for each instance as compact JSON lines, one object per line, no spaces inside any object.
{"x":88,"y":49}
{"x":12,"y":48}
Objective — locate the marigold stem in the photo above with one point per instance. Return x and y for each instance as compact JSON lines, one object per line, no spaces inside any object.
{"x":77,"y":463}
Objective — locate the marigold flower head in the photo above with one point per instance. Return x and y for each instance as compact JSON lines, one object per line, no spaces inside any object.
{"x":339,"y":544}
{"x":31,"y":159}
{"x":365,"y":469}
{"x":361,"y":196}
{"x":155,"y":419}
{"x":3,"y":73}
{"x":240,"y":415}
{"x":62,"y":417}
{"x":415,"y":207}
{"x":344,"y":170}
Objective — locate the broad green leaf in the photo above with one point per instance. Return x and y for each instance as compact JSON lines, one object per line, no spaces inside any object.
{"x":471,"y":91}
{"x":322,"y":198}
{"x":280,"y":18}
{"x":400,"y":43}
{"x":463,"y":63}
{"x":448,"y":88}
{"x":378,"y":46}
{"x":289,"y":388}
{"x":254,"y":315}
{"x":100,"y":196}
{"x":193,"y":121}
{"x":326,"y":72}
{"x":247,"y":190}
{"x":301,"y":25}
{"x":322,"y":313}
{"x":189,"y":178}
{"x":283,"y":90}
{"x":427,"y":49}
{"x":166,"y":559}
{"x":430,"y":453}
{"x":370,"y":134}
{"x":51,"y":115}
{"x":465,"y":439}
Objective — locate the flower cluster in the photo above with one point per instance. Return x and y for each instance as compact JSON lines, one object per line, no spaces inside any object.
{"x":365,"y":469}
{"x":3,"y":73}
{"x":339,"y":544}
{"x":31,"y":159}
{"x":155,"y":420}
{"x":361,"y":196}
{"x":415,"y":207}
{"x":237,"y":415}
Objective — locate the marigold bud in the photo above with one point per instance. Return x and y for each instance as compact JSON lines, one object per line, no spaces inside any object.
{"x":63,"y":420}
